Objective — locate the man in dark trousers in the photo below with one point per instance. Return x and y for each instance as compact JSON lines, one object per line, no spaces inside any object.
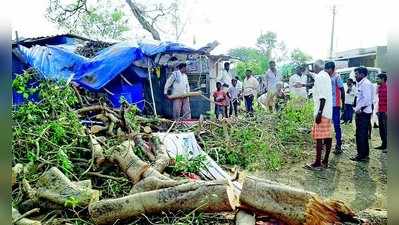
{"x":382,"y":109}
{"x":363,"y":113}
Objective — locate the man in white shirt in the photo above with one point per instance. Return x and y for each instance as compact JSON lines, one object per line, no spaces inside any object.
{"x":225,"y":76}
{"x":363,"y":109}
{"x":297,"y":83}
{"x":250,"y":90}
{"x":178,"y":82}
{"x":271,"y":79}
{"x":321,"y":131}
{"x":350,"y":95}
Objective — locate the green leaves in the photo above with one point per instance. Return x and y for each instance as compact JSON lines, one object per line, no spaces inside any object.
{"x":187,"y":164}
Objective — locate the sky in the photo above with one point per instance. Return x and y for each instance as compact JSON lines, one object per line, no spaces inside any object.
{"x":302,"y":24}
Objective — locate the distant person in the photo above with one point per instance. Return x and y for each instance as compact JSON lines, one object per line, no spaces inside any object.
{"x":250,"y":90}
{"x":374,"y":108}
{"x":382,"y":109}
{"x":363,"y":110}
{"x":338,"y":95}
{"x":321,"y":131}
{"x":297,"y":83}
{"x":233,"y":96}
{"x":220,"y":98}
{"x":178,"y":82}
{"x":281,"y":97}
{"x":271,"y":78}
{"x":225,"y":77}
{"x":350,"y":95}
{"x":239,"y":87}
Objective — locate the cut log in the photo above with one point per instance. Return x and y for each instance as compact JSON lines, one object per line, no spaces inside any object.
{"x":147,"y":130}
{"x":129,"y":163}
{"x":17,"y":220}
{"x":162,"y":159}
{"x":214,"y":196}
{"x":54,"y":186}
{"x":188,"y":94}
{"x":83,"y":184}
{"x":138,"y":140}
{"x":374,"y":216}
{"x":245,"y":218}
{"x":154,"y":183}
{"x":17,"y":169}
{"x":97,"y":150}
{"x":291,"y":205}
{"x":97,"y":128}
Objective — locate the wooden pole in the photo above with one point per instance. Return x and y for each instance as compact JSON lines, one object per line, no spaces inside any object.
{"x":152,"y":90}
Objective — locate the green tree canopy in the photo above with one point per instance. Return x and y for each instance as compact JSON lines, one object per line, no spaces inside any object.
{"x":298,"y":57}
{"x":251,"y":58}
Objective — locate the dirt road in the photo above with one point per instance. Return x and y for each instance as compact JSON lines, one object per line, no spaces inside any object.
{"x":361,"y":185}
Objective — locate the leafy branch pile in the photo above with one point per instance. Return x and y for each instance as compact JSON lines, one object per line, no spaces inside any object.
{"x":70,"y":157}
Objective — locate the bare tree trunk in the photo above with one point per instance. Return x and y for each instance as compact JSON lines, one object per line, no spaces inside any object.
{"x":213,"y":196}
{"x":144,"y":23}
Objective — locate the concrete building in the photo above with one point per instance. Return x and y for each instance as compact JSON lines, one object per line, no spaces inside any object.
{"x":369,"y":57}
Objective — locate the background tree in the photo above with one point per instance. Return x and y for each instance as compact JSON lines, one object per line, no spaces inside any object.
{"x":108,"y":19}
{"x":298,"y":57}
{"x":267,"y":42}
{"x":251,"y":58}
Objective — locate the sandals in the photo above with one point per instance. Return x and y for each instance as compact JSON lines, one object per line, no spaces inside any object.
{"x":313,"y":168}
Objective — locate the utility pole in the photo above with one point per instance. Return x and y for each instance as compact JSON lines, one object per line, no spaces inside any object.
{"x":332,"y":33}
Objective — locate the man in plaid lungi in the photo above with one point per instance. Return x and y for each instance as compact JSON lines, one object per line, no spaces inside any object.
{"x":321,"y":131}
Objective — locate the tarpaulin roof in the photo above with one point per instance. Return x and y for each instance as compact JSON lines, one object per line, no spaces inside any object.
{"x":59,"y":62}
{"x":152,"y":49}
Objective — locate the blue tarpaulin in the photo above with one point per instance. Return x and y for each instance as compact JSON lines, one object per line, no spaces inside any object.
{"x":151,"y":49}
{"x":58,"y":63}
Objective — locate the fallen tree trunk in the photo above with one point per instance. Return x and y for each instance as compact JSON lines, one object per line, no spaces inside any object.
{"x":245,"y":218}
{"x":16,"y":170}
{"x":374,"y":216}
{"x":153,"y":183}
{"x":97,"y":150}
{"x":19,"y":219}
{"x":129,"y":163}
{"x":54,"y":186}
{"x":290,"y":205}
{"x":215,"y":196}
{"x":162,"y":159}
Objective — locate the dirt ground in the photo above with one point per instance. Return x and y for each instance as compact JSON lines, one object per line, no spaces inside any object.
{"x":360,"y":185}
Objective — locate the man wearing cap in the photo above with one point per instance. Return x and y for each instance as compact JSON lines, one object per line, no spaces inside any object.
{"x":178,"y":82}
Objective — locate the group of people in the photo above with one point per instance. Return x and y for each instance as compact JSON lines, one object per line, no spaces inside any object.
{"x":329,"y":93}
{"x":229,"y":91}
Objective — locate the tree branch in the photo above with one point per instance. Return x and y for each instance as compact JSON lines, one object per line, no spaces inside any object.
{"x":142,"y":20}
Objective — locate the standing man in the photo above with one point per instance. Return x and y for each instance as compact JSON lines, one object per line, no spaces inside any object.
{"x":321,"y":131}
{"x":382,"y":109}
{"x":298,"y":82}
{"x":338,"y":95}
{"x":225,"y":80}
{"x":350,"y":94}
{"x":233,"y":96}
{"x":363,"y":113}
{"x":250,"y":89}
{"x":271,"y":78}
{"x":179,"y":82}
{"x":225,"y":76}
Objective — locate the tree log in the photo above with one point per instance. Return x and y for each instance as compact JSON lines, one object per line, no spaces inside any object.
{"x":214,"y":196}
{"x":245,"y":218}
{"x":97,"y":150}
{"x":290,"y":205}
{"x":153,"y":183}
{"x":17,"y":169}
{"x":129,"y":163}
{"x":162,"y":159}
{"x":138,"y":140}
{"x":54,"y":186}
{"x":374,"y":216}
{"x":16,"y":216}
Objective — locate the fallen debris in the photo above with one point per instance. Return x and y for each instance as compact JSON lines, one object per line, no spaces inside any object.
{"x":290,"y":205}
{"x":19,"y":219}
{"x":212,"y":196}
{"x":374,"y":216}
{"x":245,"y":218}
